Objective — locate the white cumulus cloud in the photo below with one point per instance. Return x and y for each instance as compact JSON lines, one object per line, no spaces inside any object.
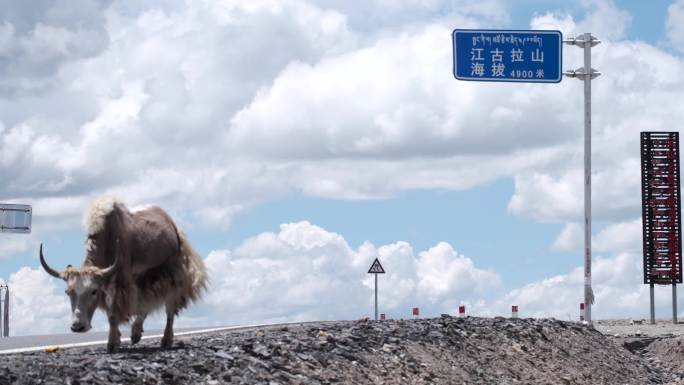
{"x":617,"y":284}
{"x":571,"y":238}
{"x":37,"y":305}
{"x":306,"y":272}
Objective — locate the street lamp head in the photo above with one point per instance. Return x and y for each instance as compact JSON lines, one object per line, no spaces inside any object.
{"x":582,"y":40}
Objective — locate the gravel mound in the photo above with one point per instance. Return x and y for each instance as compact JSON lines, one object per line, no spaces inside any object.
{"x":669,"y":351}
{"x":666,"y":353}
{"x":443,"y":350}
{"x":661,"y":345}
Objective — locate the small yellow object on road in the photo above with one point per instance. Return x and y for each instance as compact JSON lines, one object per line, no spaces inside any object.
{"x":52,"y":349}
{"x":321,"y":333}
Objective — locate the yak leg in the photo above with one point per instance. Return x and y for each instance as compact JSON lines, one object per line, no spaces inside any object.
{"x":114,"y":340}
{"x":137,"y":328}
{"x":167,"y":340}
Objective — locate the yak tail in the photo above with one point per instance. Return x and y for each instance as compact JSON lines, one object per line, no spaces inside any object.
{"x":196,"y":279}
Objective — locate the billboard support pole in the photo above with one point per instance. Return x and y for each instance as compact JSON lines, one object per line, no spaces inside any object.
{"x":652,"y":305}
{"x":674,"y":302}
{"x":586,"y":74}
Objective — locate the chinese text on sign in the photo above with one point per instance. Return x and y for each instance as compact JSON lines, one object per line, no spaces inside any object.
{"x":508,"y":56}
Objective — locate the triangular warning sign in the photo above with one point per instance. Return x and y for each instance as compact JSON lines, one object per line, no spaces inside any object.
{"x":376,"y":268}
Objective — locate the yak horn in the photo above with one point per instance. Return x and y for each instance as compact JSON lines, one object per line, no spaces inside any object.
{"x":47,"y":268}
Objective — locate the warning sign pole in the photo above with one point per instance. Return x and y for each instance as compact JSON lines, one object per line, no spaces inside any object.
{"x":376,"y":268}
{"x":376,"y":297}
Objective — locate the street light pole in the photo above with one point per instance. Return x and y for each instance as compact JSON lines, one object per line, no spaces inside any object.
{"x":586,"y":73}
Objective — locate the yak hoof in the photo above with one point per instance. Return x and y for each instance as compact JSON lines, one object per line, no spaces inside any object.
{"x":166,"y":342}
{"x":112,"y":347}
{"x":135,"y":337}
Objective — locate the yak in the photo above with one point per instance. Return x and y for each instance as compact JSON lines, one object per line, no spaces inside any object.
{"x":135,"y":263}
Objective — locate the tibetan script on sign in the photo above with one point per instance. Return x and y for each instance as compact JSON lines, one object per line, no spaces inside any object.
{"x":507,"y":56}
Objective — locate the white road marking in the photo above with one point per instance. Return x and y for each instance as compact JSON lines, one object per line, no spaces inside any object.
{"x":127,"y":339}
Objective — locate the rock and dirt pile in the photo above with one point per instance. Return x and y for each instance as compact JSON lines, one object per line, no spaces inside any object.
{"x":660,"y":345}
{"x":443,"y":350}
{"x":667,"y":354}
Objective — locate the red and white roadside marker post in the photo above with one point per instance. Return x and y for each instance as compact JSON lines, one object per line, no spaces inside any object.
{"x":415,"y":312}
{"x":581,"y":312}
{"x":461,"y":311}
{"x":514,"y":311}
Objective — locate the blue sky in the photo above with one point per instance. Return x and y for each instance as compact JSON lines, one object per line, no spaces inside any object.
{"x":648,"y":17}
{"x":476,"y":220}
{"x":296,"y":141}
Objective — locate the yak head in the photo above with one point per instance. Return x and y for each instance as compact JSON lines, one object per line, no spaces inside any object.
{"x":84,"y":287}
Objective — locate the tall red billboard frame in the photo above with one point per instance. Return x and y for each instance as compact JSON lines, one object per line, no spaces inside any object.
{"x":661,"y":212}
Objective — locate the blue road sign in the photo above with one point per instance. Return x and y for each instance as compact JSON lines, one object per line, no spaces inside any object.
{"x":508,"y":56}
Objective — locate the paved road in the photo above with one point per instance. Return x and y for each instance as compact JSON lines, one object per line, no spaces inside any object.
{"x":12,"y":344}
{"x":32,"y":343}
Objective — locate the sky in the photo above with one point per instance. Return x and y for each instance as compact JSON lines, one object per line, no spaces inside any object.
{"x":297,"y":141}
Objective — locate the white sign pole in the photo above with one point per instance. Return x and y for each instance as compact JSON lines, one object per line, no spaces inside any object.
{"x":586,"y":41}
{"x":375,"y":269}
{"x":376,"y":296}
{"x":5,"y":314}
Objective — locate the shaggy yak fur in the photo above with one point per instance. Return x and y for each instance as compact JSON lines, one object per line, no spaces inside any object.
{"x":135,"y":263}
